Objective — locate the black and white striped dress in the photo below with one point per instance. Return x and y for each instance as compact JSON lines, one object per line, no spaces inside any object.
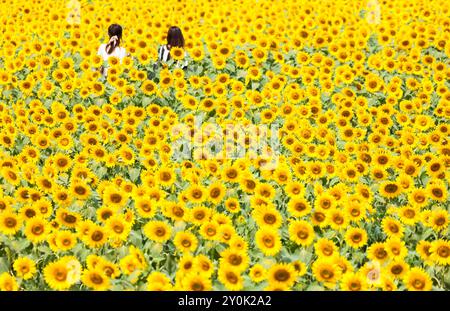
{"x":164,"y":53}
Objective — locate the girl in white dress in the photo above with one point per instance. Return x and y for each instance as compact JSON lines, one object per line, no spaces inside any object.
{"x":112,"y":48}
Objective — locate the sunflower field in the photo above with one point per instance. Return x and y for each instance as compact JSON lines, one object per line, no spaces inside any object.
{"x":304,"y":147}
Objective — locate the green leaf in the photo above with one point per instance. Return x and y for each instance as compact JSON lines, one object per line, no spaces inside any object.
{"x":134,"y":174}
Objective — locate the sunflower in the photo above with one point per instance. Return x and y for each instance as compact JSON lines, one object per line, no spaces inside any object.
{"x":216,"y":192}
{"x":319,"y":218}
{"x":267,"y":216}
{"x":390,"y":189}
{"x":204,"y":265}
{"x":418,"y":280}
{"x":199,"y":214}
{"x":258,"y":273}
{"x":166,"y":176}
{"x":437,"y":191}
{"x":418,"y":197}
{"x":236,"y":259}
{"x":185,"y":241}
{"x":338,"y":219}
{"x":65,"y":240}
{"x":95,"y":279}
{"x":96,"y":236}
{"x":114,"y":197}
{"x":80,"y":190}
{"x":118,"y":227}
{"x":55,"y":275}
{"x":66,"y":218}
{"x":439,"y":220}
{"x":440,"y":252}
{"x":397,"y":269}
{"x":157,"y":231}
{"x":268,"y":241}
{"x":24,"y":267}
{"x":356,"y":237}
{"x":230,"y":278}
{"x":196,"y":282}
{"x":396,"y":248}
{"x":10,"y":222}
{"x":298,"y":207}
{"x":186,"y":264}
{"x":392,"y":227}
{"x":282,"y":274}
{"x":177,"y":53}
{"x":10,"y":176}
{"x":423,"y":249}
{"x":324,"y":201}
{"x":409,"y":215}
{"x":326,"y":271}
{"x":196,"y":194}
{"x":231,"y":174}
{"x":377,"y":251}
{"x":36,"y":229}
{"x":325,"y":248}
{"x":8,"y":282}
{"x":353,"y":282}
{"x":145,"y":207}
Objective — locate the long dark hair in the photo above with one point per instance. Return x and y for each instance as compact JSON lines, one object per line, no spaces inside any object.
{"x":175,"y":37}
{"x":114,"y":31}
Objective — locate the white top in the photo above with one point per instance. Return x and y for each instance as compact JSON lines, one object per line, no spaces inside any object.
{"x":118,"y":52}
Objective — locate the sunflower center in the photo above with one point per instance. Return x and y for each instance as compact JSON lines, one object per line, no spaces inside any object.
{"x":30,"y":213}
{"x":270,"y":219}
{"x":397,"y":269}
{"x":268,"y":241}
{"x":118,"y":228}
{"x":165,"y":176}
{"x":327,"y":250}
{"x":70,"y":219}
{"x":232,"y":278}
{"x":80,"y":190}
{"x":232,"y":174}
{"x":440,"y":221}
{"x":357,"y":237}
{"x":418,"y":284}
{"x":300,"y":206}
{"x":437,"y":192}
{"x":96,"y":279}
{"x":443,"y":251}
{"x":338,"y":220}
{"x":197,"y":286}
{"x":391,"y":188}
{"x":235,"y":260}
{"x":97,"y":236}
{"x":302,"y":234}
{"x":37,"y":230}
{"x":282,"y":275}
{"x":60,"y":276}
{"x":215,"y":193}
{"x":380,"y":253}
{"x":10,"y":222}
{"x":355,"y":286}
{"x":160,"y":232}
{"x":393,"y":228}
{"x":326,"y":274}
{"x":116,"y":198}
{"x":196,"y":194}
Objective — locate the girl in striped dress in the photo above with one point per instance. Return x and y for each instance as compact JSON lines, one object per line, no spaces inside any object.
{"x":174,"y":39}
